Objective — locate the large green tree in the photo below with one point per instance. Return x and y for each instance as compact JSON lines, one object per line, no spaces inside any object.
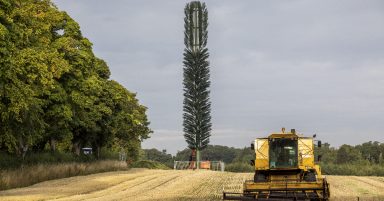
{"x":197,"y":107}
{"x":30,"y":67}
{"x":130,"y":122}
{"x":347,"y":154}
{"x":54,"y":90}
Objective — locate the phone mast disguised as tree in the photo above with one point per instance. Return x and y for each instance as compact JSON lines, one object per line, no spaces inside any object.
{"x":197,"y":107}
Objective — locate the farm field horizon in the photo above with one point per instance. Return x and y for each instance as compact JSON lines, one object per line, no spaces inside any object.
{"x":145,"y":184}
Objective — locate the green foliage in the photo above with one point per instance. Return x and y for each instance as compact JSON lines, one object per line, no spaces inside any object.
{"x":8,"y":161}
{"x":245,"y":155}
{"x":371,"y":151}
{"x":239,"y":167}
{"x":358,"y":169}
{"x":235,"y":159}
{"x":364,"y":159}
{"x":149,"y":164}
{"x":241,"y":163}
{"x":212,"y":152}
{"x":347,"y":154}
{"x":327,"y":152}
{"x":219,"y":153}
{"x":159,"y":156}
{"x":54,"y":91}
{"x":29,"y":67}
{"x":197,"y":107}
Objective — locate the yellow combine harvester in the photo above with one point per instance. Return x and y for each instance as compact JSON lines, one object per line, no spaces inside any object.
{"x":285,"y":169}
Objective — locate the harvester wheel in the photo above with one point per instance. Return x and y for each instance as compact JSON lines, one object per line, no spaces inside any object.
{"x":310,"y":176}
{"x":327,"y":192}
{"x":260,"y":177}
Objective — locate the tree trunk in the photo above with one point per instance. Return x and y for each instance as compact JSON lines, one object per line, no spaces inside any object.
{"x":76,"y":148}
{"x":52,"y":143}
{"x":23,"y":148}
{"x":197,"y":158}
{"x":98,"y":152}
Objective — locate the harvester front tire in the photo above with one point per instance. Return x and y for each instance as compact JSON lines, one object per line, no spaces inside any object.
{"x":310,"y":177}
{"x":260,"y":177}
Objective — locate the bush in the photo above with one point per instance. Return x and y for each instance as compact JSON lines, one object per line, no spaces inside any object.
{"x":213,"y":153}
{"x":159,"y":156}
{"x":49,"y":157}
{"x":149,"y":164}
{"x":239,"y":167}
{"x":8,"y":161}
{"x":12,"y":162}
{"x":352,"y":169}
{"x":107,"y":154}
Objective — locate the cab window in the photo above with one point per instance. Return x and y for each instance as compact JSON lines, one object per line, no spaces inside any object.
{"x":283,"y":153}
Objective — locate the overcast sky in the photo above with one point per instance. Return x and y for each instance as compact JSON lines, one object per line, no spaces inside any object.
{"x":317,"y":66}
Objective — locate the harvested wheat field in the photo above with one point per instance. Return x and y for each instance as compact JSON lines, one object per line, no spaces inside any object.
{"x":143,"y":184}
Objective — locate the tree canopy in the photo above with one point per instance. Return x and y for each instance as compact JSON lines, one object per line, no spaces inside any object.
{"x":53,"y":89}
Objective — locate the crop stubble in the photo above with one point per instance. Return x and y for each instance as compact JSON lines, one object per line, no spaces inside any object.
{"x":169,"y":185}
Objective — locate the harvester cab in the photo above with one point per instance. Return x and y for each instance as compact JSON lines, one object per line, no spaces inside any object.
{"x":285,"y":169}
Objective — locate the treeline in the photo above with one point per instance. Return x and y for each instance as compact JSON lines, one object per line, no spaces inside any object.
{"x":55,"y":94}
{"x":368,"y":152}
{"x":235,"y":159}
{"x":363,"y":159}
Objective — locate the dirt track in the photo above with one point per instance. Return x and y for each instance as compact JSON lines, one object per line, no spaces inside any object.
{"x":142,"y":184}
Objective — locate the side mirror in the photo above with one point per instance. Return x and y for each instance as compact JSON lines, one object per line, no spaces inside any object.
{"x":252,"y":162}
{"x":252,"y":146}
{"x":319,"y":158}
{"x":319,"y":143}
